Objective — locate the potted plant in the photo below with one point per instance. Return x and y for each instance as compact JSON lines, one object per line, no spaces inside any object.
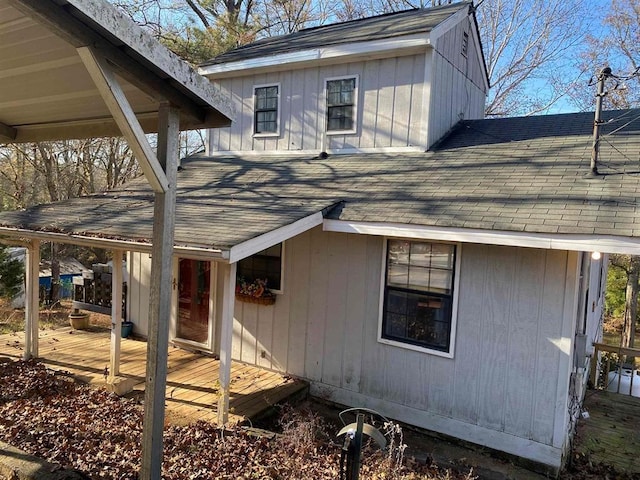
{"x":254,"y":292}
{"x":79,"y":320}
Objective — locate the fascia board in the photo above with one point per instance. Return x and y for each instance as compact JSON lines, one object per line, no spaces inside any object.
{"x":261,"y":242}
{"x":584,"y":243}
{"x":411,"y":43}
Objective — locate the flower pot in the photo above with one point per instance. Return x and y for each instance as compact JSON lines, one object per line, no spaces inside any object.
{"x":126,"y":329}
{"x":79,"y":320}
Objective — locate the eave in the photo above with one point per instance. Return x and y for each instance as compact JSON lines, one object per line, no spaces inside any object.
{"x":342,"y":53}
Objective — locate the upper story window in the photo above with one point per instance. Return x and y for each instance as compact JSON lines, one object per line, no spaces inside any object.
{"x":341,"y":104}
{"x":266,"y":102}
{"x":264,"y":265}
{"x":418,"y":308}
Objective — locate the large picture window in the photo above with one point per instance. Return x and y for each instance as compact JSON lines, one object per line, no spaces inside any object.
{"x":418,"y":294}
{"x":266,"y":100}
{"x":341,"y":104}
{"x":264,"y":265}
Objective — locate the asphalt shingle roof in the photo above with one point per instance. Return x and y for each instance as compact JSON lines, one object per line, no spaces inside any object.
{"x":391,"y":25}
{"x":514,"y":175}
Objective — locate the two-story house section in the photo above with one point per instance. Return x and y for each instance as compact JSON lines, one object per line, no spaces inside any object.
{"x":391,"y":83}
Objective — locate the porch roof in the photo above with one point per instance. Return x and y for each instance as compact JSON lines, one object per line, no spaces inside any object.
{"x":46,"y":92}
{"x":515,"y":175}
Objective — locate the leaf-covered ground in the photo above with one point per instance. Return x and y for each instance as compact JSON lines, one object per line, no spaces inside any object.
{"x":46,"y":414}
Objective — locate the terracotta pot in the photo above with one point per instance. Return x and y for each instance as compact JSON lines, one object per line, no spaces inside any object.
{"x":79,"y":320}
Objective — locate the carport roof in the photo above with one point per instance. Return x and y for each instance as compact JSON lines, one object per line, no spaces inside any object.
{"x":46,"y":92}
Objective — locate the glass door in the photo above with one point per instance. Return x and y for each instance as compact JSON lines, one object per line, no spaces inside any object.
{"x":194,"y":319}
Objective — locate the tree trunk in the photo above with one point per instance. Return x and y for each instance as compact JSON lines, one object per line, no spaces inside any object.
{"x":631,"y":306}
{"x":54,"y":294}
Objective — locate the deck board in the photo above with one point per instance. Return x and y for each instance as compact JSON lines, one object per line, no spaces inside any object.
{"x":611,"y":434}
{"x":192,"y":378}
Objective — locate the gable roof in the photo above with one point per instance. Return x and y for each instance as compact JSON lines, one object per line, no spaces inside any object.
{"x":390,"y":25}
{"x":519,"y":176}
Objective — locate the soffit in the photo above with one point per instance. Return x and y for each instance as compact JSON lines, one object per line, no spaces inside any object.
{"x":47,"y":94}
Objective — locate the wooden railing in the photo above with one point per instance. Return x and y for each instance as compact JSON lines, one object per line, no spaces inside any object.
{"x":616,"y":355}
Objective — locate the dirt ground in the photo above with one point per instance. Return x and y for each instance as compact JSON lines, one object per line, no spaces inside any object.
{"x":51,"y":317}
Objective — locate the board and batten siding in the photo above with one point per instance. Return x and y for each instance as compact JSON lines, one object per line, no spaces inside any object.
{"x":138,"y":290}
{"x":503,"y":387}
{"x":390,"y":107}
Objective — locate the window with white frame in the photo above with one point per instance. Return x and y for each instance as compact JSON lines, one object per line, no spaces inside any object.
{"x":264,"y":265}
{"x":341,"y":104}
{"x":418,"y":294}
{"x":266,"y":102}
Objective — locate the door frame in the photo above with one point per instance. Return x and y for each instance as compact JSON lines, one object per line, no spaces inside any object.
{"x":209,"y":345}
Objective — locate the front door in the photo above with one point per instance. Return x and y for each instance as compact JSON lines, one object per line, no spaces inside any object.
{"x":194,"y":319}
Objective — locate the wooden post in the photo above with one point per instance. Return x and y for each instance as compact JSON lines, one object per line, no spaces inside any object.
{"x":32,"y":300}
{"x":226,"y":338}
{"x":160,"y":298}
{"x":116,"y":313}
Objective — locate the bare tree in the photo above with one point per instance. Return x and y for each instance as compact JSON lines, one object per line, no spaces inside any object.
{"x":617,"y":46}
{"x":630,"y":264}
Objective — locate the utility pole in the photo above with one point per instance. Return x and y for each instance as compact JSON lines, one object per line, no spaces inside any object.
{"x":602,"y":76}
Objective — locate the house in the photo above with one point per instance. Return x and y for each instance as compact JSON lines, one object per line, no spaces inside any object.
{"x":70,"y":268}
{"x":443,"y":269}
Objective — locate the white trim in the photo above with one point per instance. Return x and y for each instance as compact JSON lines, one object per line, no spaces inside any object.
{"x":447,"y":24}
{"x":253,"y":97}
{"x":512,"y":444}
{"x":307,"y":153}
{"x":585,"y":243}
{"x":454,"y":308}
{"x":354,"y":119}
{"x":279,"y":235}
{"x":426,"y":111}
{"x":372,"y":49}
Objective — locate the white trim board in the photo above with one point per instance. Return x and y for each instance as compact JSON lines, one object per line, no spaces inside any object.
{"x":406,"y":45}
{"x":505,"y":442}
{"x":585,"y":243}
{"x":279,"y":235}
{"x":307,"y":153}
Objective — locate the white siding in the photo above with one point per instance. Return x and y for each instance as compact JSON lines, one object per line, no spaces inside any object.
{"x":138,"y":291}
{"x":506,"y":374}
{"x":390,"y":96}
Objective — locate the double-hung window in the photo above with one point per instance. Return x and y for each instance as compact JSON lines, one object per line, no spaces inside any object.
{"x":341,"y":105}
{"x":418,"y":295}
{"x":266,"y":102}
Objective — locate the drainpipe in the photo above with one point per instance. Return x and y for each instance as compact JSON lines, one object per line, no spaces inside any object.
{"x":602,"y":76}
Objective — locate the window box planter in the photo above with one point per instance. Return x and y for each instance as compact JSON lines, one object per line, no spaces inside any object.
{"x":264,"y":300}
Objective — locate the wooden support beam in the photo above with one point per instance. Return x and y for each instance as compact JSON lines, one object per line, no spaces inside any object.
{"x":118,"y":105}
{"x":32,"y":300}
{"x":226,"y":339}
{"x":160,"y":297}
{"x":7,"y":134}
{"x":116,"y":313}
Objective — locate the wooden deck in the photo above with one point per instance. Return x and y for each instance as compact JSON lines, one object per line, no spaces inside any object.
{"x":611,"y":434}
{"x":192,"y":380}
